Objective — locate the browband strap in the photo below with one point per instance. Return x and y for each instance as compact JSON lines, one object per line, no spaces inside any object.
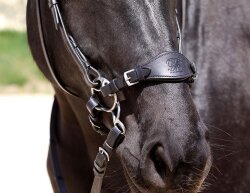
{"x":169,"y":67}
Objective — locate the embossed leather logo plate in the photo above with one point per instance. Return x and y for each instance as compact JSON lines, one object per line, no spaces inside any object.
{"x":174,"y":65}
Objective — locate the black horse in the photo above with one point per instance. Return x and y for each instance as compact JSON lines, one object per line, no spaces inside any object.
{"x":217,"y":38}
{"x":165,"y":148}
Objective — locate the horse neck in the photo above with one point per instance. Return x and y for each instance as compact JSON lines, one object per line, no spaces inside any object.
{"x":217,"y":39}
{"x":217,"y":27}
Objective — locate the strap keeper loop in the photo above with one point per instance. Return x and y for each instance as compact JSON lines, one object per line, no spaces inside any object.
{"x":91,"y":106}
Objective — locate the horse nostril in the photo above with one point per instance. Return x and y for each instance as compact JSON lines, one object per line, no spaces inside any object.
{"x":162,"y":163}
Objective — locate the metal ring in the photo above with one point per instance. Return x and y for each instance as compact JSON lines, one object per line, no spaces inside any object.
{"x":111,"y":109}
{"x":116,"y":119}
{"x":101,"y":81}
{"x":92,"y":71}
{"x":121,"y":126}
{"x":118,"y":112}
{"x":104,"y":81}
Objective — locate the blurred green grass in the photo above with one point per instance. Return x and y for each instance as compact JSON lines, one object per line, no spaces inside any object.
{"x":16,"y":64}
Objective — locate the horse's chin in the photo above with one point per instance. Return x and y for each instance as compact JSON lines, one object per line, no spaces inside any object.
{"x":135,"y":188}
{"x":192,"y":188}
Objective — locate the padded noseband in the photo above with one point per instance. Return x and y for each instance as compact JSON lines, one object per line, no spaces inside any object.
{"x":169,"y":67}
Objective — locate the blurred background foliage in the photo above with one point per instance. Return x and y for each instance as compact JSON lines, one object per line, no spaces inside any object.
{"x":17,"y":66}
{"x":18,"y":71}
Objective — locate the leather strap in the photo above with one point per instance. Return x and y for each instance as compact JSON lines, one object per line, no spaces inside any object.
{"x":45,"y":52}
{"x":114,"y":139}
{"x":171,"y":67}
{"x":94,"y":116}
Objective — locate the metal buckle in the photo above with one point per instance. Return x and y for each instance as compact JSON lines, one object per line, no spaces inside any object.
{"x":127,"y":79}
{"x":194,"y":69}
{"x":104,"y":152}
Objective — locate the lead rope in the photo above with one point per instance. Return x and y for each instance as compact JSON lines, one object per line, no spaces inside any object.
{"x":116,"y":134}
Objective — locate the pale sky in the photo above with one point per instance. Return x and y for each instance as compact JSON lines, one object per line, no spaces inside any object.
{"x":12,"y":14}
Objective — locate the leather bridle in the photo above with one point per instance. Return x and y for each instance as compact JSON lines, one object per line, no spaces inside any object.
{"x":171,"y":67}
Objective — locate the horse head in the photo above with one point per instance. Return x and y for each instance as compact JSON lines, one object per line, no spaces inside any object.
{"x":166,"y":145}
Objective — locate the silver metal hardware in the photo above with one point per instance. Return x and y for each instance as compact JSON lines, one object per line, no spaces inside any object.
{"x":102,"y":107}
{"x":111,"y":109}
{"x":103,"y":82}
{"x":121,"y":126}
{"x":92,"y":71}
{"x":116,"y":112}
{"x":116,"y":118}
{"x":127,"y":79}
{"x":104,"y":152}
{"x":194,"y":69}
{"x":93,"y":124}
{"x":195,"y":76}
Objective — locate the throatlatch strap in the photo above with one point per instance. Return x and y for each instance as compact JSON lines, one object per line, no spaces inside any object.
{"x":45,"y":52}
